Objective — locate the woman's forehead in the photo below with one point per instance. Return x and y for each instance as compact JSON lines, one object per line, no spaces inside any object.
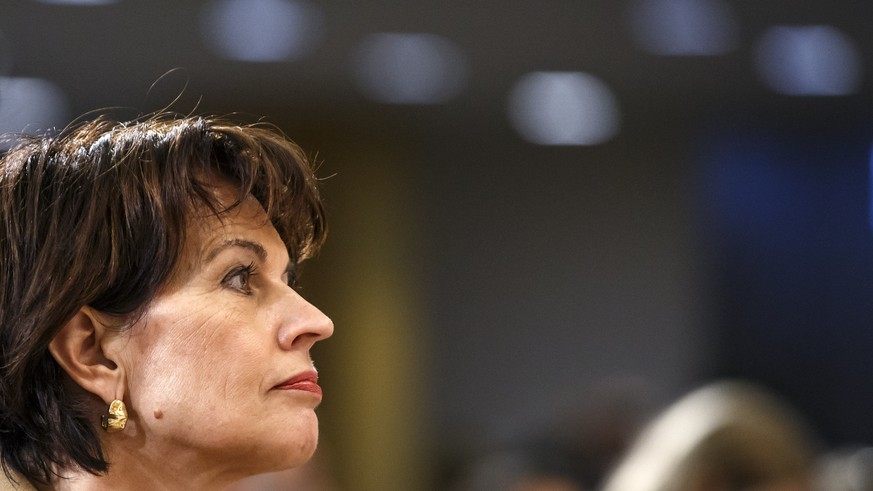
{"x":245,"y":226}
{"x":242,"y":225}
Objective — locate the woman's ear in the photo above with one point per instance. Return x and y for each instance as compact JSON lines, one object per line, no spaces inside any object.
{"x":79,"y":349}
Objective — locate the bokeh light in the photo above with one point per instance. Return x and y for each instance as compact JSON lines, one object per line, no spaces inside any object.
{"x":409,"y":68}
{"x":683,"y":27}
{"x":563,"y":108}
{"x":815,"y":60}
{"x":31,"y":105}
{"x":261,"y":30}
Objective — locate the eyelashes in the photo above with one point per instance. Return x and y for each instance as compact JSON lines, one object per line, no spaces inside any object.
{"x":240,"y":278}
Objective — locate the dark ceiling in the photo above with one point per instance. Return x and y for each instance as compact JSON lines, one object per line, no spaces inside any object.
{"x":109,"y":55}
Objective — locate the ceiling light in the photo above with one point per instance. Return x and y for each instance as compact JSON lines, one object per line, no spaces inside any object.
{"x":809,"y":60}
{"x":563,"y":108}
{"x":31,"y":105}
{"x":683,"y":27}
{"x":261,"y":30}
{"x":404,"y":68}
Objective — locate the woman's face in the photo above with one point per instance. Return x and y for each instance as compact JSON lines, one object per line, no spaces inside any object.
{"x":218,"y":368}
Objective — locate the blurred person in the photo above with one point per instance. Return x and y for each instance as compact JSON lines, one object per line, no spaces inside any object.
{"x":151,"y":336}
{"x":728,"y":436}
{"x":582,"y":439}
{"x":523,"y":468}
{"x":847,"y":469}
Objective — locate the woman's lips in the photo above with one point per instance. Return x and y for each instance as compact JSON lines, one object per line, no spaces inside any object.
{"x":306,"y":381}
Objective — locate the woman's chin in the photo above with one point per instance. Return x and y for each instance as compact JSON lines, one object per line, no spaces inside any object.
{"x":296,"y":448}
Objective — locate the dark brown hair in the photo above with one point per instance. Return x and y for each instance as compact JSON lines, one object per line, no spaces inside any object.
{"x":97,"y":216}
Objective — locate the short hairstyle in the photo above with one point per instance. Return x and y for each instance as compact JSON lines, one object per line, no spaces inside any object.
{"x":97,"y":216}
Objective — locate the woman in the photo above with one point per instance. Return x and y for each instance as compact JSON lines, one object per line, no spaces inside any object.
{"x":150,"y":333}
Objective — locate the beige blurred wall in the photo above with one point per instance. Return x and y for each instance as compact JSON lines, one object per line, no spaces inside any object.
{"x":373,"y":419}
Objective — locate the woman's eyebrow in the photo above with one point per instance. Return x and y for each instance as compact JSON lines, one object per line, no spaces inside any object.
{"x":255,"y":247}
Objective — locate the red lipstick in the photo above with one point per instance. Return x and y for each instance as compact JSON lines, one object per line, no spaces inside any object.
{"x":306,"y":381}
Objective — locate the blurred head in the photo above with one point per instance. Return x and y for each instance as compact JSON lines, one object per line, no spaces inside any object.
{"x":154,"y":262}
{"x":728,"y":436}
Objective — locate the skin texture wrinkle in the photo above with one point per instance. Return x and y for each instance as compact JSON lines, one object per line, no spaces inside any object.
{"x":204,"y":361}
{"x":152,"y":261}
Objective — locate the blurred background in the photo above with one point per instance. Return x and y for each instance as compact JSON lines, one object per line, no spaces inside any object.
{"x":549,"y":219}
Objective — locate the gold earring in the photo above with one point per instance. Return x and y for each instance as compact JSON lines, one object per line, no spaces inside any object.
{"x":116,"y":419}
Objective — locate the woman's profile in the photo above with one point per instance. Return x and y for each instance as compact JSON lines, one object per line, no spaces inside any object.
{"x":151,"y":336}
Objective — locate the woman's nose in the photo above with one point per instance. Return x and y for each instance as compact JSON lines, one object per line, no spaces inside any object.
{"x":303,"y":325}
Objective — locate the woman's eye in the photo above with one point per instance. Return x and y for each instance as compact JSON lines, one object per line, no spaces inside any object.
{"x":239,"y":279}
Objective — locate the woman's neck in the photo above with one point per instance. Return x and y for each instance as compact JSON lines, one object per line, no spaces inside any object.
{"x":134,"y":467}
{"x":136,"y":479}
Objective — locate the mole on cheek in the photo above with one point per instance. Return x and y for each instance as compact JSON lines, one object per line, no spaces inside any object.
{"x":159,"y":414}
